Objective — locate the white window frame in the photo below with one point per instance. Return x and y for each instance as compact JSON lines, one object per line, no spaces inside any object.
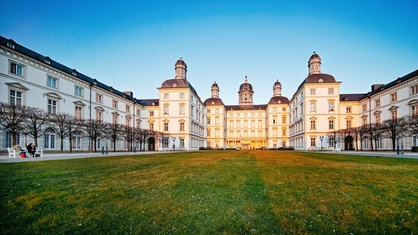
{"x":52,"y":106}
{"x":77,"y":142}
{"x":49,"y":141}
{"x":166,"y":109}
{"x":78,"y":91}
{"x":51,"y":82}
{"x":15,"y":97}
{"x":78,"y":112}
{"x":19,"y":69}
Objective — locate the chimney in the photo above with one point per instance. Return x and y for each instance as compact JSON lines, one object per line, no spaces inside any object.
{"x":129,"y":93}
{"x":376,"y":86}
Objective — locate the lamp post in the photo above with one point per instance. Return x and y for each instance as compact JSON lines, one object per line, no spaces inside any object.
{"x":321,"y":138}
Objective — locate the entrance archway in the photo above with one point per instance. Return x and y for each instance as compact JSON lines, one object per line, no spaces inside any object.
{"x":349,"y":142}
{"x":151,"y":144}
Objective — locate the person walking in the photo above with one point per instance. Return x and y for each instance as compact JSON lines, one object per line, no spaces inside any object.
{"x":31,"y":149}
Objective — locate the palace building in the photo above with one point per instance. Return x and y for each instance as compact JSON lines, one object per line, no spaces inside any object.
{"x":247,"y":125}
{"x":317,"y":116}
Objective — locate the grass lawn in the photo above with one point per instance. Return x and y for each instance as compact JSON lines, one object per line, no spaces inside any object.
{"x":218,"y":192}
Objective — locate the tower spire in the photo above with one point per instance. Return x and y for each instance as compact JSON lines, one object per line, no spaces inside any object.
{"x":181,"y":69}
{"x":314,"y":64}
{"x":215,"y":90}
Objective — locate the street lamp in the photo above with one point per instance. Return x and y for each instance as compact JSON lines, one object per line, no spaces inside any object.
{"x":321,"y":138}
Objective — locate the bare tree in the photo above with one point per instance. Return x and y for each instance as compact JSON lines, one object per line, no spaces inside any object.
{"x":12,"y":117}
{"x":375,"y":132}
{"x":394,"y":128}
{"x":34,"y":123}
{"x":114,"y":132}
{"x":332,"y":136}
{"x":355,"y":131}
{"x":94,"y":130}
{"x":412,"y":123}
{"x":363,"y":130}
{"x":128,"y":135}
{"x":74,"y":127}
{"x":143,"y":134}
{"x":59,"y":125}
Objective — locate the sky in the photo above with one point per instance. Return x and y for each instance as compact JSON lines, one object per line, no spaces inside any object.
{"x":133,"y":45}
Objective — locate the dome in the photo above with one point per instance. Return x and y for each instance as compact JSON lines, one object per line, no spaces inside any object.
{"x":279,"y":100}
{"x":246,"y":86}
{"x":319,"y":77}
{"x":213,"y":101}
{"x":171,"y":83}
{"x":314,"y":55}
{"x":215,"y":85}
{"x":180,"y":62}
{"x":277,"y":83}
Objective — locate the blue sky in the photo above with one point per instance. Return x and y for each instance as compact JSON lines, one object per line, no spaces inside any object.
{"x":133,"y":45}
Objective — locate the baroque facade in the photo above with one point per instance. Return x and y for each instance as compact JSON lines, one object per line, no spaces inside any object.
{"x":247,"y":125}
{"x":185,"y":122}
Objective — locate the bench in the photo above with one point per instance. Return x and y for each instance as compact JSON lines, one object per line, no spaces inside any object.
{"x":39,"y":153}
{"x":12,"y":152}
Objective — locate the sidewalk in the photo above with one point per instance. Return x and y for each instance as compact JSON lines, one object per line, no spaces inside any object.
{"x":75,"y":155}
{"x":4,"y":158}
{"x":378,"y":154}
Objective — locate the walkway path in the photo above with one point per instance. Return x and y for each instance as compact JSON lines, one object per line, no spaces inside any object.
{"x":63,"y":156}
{"x":74,"y":155}
{"x":380,"y":154}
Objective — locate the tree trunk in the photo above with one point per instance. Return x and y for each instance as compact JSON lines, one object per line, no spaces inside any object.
{"x":13,"y":138}
{"x":394,"y":143}
{"x":62,"y":144}
{"x":70,"y":138}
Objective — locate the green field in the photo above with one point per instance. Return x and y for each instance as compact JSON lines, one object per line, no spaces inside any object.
{"x":218,"y":192}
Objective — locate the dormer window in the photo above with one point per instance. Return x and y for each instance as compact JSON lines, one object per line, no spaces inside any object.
{"x":11,"y":44}
{"x":74,"y":72}
{"x":47,"y":60}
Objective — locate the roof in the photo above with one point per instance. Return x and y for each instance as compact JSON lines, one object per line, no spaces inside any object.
{"x":395,"y":82}
{"x":318,"y":78}
{"x":70,"y":71}
{"x":178,"y":83}
{"x":279,"y":100}
{"x":149,"y":102}
{"x":181,"y":62}
{"x":246,"y":107}
{"x":314,"y":55}
{"x":246,"y":86}
{"x":277,"y":83}
{"x":352,"y":97}
{"x":213,"y":101}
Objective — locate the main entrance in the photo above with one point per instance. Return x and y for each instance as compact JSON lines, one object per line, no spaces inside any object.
{"x":349,"y":143}
{"x":151,"y":144}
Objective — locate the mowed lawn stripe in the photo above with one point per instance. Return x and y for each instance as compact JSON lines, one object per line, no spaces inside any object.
{"x":211,"y":192}
{"x":323,"y":193}
{"x":201,"y":192}
{"x":227,"y":197}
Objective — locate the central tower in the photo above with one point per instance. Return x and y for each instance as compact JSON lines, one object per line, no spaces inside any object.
{"x":245,"y":93}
